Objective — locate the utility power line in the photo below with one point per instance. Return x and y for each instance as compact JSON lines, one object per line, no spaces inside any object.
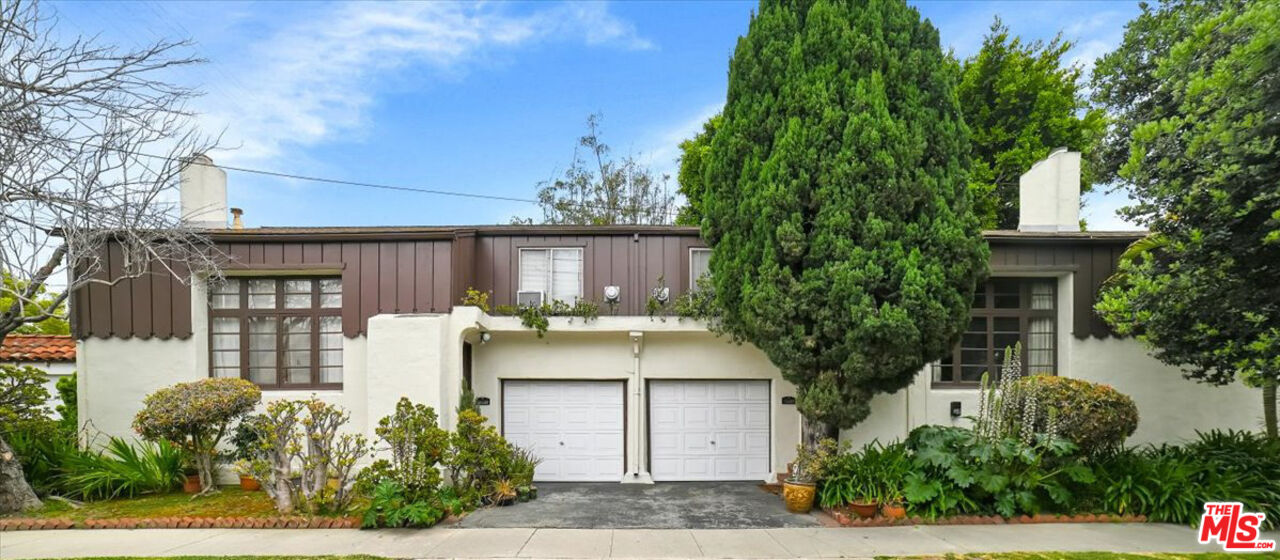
{"x":363,"y":184}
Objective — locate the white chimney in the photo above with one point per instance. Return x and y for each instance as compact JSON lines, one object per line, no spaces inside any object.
{"x":1049,"y":193}
{"x":203,"y":190}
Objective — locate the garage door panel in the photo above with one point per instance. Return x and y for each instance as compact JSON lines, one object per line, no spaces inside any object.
{"x":709,"y":430}
{"x":574,"y":427}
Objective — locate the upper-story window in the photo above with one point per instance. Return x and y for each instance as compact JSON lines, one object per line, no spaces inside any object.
{"x":1006,"y":311}
{"x":699,"y":266}
{"x":280,"y":333}
{"x":555,"y":272}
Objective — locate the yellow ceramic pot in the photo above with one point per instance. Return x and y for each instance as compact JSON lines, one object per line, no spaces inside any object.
{"x":798,"y":496}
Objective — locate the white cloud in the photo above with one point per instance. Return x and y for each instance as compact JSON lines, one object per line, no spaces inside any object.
{"x":315,"y":79}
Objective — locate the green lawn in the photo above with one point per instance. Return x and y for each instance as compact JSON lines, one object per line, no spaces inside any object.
{"x":230,"y":502}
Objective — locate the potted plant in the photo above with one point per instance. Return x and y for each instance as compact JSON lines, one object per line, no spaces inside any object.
{"x":801,"y":484}
{"x":504,"y":493}
{"x":191,"y":480}
{"x":245,"y":440}
{"x":866,"y":504}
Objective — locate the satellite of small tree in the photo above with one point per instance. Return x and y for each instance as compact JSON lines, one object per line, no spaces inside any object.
{"x":195,"y":416}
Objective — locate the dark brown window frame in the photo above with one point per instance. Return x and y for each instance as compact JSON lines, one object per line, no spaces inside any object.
{"x":950,"y":377}
{"x":243,"y":312}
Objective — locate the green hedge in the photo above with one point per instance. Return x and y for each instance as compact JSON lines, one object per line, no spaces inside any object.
{"x":1093,"y":416}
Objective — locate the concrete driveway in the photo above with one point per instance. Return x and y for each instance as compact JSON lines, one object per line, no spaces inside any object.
{"x":670,"y":505}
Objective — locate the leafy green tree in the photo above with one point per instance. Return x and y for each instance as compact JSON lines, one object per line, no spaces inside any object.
{"x":598,"y":189}
{"x":49,"y":314}
{"x":23,"y":397}
{"x":1203,"y":163}
{"x":693,"y":157}
{"x":1020,"y":101}
{"x":845,"y":245}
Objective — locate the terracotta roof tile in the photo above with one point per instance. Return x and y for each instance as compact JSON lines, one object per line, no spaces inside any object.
{"x":38,"y":348}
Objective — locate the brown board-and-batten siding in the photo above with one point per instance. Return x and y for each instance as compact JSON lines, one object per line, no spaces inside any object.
{"x":1091,"y":260}
{"x":427,"y":270}
{"x":378,"y":276}
{"x":636,"y":262}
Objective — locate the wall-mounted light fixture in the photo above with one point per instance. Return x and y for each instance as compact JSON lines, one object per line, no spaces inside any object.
{"x":955,"y":409}
{"x":485,"y":336}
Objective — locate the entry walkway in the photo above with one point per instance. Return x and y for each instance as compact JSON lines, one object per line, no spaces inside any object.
{"x":452,"y":542}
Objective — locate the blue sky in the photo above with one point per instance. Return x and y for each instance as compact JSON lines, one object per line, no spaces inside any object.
{"x":480,"y":97}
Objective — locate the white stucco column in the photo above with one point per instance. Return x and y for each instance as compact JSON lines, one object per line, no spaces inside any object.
{"x":637,"y":473}
{"x":404,"y":360}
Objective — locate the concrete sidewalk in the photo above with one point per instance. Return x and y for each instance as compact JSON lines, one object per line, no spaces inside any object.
{"x":606,"y":543}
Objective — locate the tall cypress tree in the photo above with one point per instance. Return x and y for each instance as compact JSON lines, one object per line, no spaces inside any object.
{"x":836,"y":201}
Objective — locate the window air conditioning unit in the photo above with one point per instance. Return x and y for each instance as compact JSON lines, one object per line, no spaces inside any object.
{"x":529,"y":298}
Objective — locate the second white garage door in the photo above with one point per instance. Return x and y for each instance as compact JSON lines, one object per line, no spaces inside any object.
{"x":709,"y":430}
{"x":575,"y":427}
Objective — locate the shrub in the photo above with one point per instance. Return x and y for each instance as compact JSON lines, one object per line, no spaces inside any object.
{"x":416,"y":445}
{"x":478,"y":457}
{"x":43,"y":449}
{"x":1093,"y":416}
{"x":391,"y":507}
{"x":957,"y":471}
{"x":874,"y":474}
{"x":194,"y":416}
{"x":22,"y":397}
{"x":325,"y":459}
{"x":1170,"y":483}
{"x":123,"y":470}
{"x":68,"y":413}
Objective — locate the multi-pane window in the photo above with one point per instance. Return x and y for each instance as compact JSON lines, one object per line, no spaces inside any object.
{"x":557,"y":273}
{"x":277,"y":332}
{"x":699,"y":266}
{"x":1006,"y":311}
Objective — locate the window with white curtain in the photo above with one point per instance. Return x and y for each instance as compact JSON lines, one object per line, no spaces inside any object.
{"x":699,"y":266}
{"x":283,"y":333}
{"x":1006,"y":311}
{"x":556,"y":272}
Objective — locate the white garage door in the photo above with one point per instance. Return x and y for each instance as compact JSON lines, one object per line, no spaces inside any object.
{"x":709,"y":430}
{"x":575,"y":427}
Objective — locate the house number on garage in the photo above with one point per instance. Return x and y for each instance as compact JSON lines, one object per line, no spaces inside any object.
{"x":788,"y":400}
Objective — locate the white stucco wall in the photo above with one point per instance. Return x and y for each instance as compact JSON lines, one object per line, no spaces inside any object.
{"x":1170,"y":407}
{"x":604,"y":350}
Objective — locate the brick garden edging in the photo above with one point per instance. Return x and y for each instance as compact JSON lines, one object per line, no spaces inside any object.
{"x":38,"y":524}
{"x":847,"y":520}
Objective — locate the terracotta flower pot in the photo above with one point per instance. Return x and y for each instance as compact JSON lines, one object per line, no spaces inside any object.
{"x":798,"y":496}
{"x":864,"y":510}
{"x":249,"y":484}
{"x":191,"y":485}
{"x":894,"y":510}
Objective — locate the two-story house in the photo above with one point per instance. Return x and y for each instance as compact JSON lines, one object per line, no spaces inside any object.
{"x":361,"y":316}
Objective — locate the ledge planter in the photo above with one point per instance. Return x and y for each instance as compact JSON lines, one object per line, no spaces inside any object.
{"x":249,"y":484}
{"x":798,"y":495}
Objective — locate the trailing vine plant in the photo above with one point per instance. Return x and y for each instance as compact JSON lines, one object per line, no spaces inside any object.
{"x":536,"y":316}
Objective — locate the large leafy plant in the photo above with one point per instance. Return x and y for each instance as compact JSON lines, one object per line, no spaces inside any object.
{"x":416,"y":446}
{"x":957,"y":471}
{"x":874,"y":474}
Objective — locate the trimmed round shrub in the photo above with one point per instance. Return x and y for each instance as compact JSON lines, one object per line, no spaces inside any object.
{"x":1094,"y":416}
{"x":195,"y":416}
